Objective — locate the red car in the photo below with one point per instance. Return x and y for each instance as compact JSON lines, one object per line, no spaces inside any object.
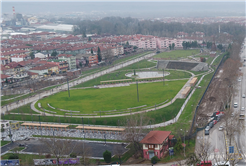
{"x":215,"y":121}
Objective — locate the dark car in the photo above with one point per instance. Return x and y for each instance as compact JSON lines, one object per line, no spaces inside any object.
{"x":206,"y":132}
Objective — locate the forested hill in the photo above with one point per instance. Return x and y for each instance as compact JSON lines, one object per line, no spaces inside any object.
{"x":129,"y":26}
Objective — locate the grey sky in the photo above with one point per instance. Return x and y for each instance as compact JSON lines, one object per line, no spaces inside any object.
{"x":157,"y":8}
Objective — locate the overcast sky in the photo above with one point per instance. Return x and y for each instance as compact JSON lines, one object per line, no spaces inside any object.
{"x":195,"y":8}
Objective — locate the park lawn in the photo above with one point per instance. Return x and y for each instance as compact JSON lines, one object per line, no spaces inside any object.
{"x":157,"y":116}
{"x":139,"y":65}
{"x":24,"y":109}
{"x":174,"y":74}
{"x":4,"y":143}
{"x":186,"y":117}
{"x":9,"y":96}
{"x":130,"y":57}
{"x":17,"y":149}
{"x":106,"y":99}
{"x":116,"y":75}
{"x":96,"y":81}
{"x":120,"y":74}
{"x":177,"y":54}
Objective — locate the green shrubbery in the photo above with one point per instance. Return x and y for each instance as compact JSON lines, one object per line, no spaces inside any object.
{"x":107,"y":156}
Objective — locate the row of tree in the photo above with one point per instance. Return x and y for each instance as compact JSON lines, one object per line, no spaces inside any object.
{"x":130,"y":26}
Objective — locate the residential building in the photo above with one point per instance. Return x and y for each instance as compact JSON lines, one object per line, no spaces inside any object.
{"x":19,"y":58}
{"x":156,"y":143}
{"x":46,"y":69}
{"x":4,"y":61}
{"x":40,"y":55}
{"x":93,"y":59}
{"x":5,"y":79}
{"x":70,"y":59}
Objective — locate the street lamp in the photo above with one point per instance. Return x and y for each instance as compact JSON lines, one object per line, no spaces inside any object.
{"x":184,"y":140}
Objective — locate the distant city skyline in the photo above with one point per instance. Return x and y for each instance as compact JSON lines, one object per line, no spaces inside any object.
{"x":130,"y":9}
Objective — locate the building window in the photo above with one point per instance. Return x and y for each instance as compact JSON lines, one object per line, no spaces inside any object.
{"x":156,"y":146}
{"x":146,"y":146}
{"x":151,"y":146}
{"x":156,"y":153}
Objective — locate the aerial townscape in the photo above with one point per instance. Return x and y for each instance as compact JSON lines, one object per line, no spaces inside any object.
{"x":123,"y":83}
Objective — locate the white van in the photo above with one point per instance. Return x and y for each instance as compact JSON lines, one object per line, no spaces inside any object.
{"x":235,"y":105}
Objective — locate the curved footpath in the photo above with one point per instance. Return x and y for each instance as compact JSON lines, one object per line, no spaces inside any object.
{"x":71,"y":84}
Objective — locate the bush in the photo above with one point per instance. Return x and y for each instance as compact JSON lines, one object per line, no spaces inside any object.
{"x":107,"y":156}
{"x":13,"y":156}
{"x":48,"y":156}
{"x":154,"y":160}
{"x":178,"y":146}
{"x":73,"y":155}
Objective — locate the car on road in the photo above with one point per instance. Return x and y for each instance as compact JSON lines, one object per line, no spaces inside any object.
{"x":207,"y":128}
{"x":241,"y":116}
{"x":239,"y":80}
{"x":235,"y":104}
{"x":214,"y":121}
{"x":242,"y":109}
{"x":243,"y":96}
{"x":211,"y":125}
{"x":221,"y":128}
{"x":206,"y":132}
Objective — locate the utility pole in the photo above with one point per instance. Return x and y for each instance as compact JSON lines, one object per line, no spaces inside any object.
{"x":40,"y":125}
{"x":137,"y":90}
{"x":83,"y":142}
{"x":163,"y":78}
{"x":68,"y":88}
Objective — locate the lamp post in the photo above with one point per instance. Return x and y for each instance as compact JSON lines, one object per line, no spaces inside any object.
{"x":184,"y":140}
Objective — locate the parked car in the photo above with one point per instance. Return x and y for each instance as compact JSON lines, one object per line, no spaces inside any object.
{"x":207,"y":128}
{"x":235,"y":104}
{"x":242,"y":109}
{"x":215,"y":121}
{"x":211,"y":125}
{"x":243,"y":96}
{"x":206,"y":132}
{"x":221,"y":128}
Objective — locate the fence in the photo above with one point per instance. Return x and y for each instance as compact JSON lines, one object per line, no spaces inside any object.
{"x":194,"y":118}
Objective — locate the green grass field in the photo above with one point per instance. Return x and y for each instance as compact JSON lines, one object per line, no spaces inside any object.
{"x":157,"y":116}
{"x":89,"y":100}
{"x":4,"y":143}
{"x":177,"y":54}
{"x":24,"y":109}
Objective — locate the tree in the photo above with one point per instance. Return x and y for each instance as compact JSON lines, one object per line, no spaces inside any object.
{"x":135,"y":131}
{"x":99,"y":54}
{"x":32,"y":55}
{"x":89,"y":39}
{"x":154,"y":160}
{"x":173,"y":45}
{"x":54,"y":53}
{"x":57,"y":147}
{"x":178,"y":146}
{"x":107,"y":156}
{"x":220,"y":46}
{"x":127,"y":43}
{"x":91,"y":51}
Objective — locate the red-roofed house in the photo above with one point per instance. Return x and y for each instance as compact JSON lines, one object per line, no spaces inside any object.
{"x":155,"y":143}
{"x":5,"y":79}
{"x":19,"y":58}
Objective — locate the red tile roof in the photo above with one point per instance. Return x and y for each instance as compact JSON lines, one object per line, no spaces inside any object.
{"x":155,"y":137}
{"x":66,"y":55}
{"x":31,"y":73}
{"x":3,"y":76}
